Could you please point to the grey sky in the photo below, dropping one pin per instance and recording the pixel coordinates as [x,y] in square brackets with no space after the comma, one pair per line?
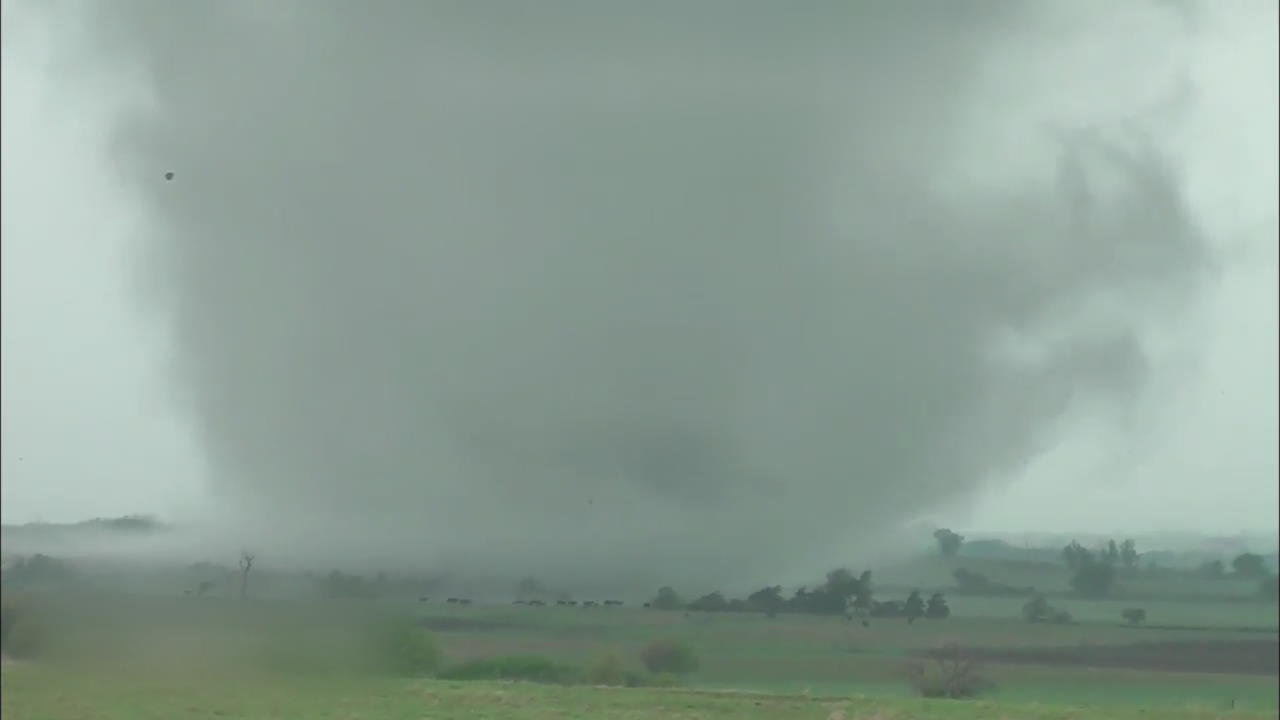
[1152,414]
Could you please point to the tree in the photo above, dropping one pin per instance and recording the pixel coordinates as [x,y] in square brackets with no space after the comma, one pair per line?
[862,596]
[1111,553]
[666,599]
[711,602]
[246,566]
[1073,554]
[937,607]
[1249,565]
[833,597]
[842,582]
[767,600]
[1093,578]
[1134,616]
[530,588]
[1129,555]
[914,606]
[948,542]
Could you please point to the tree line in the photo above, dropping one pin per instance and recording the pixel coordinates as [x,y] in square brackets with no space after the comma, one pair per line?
[843,593]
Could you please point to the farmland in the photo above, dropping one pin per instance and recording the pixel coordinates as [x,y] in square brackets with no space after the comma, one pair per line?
[117,656]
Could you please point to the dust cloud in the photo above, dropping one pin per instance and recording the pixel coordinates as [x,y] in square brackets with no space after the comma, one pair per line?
[636,293]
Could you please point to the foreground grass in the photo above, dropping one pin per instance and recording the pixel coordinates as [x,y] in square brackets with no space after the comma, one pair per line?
[33,692]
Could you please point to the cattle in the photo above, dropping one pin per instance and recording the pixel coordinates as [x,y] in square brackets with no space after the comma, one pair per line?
[518,602]
[613,603]
[464,601]
[588,603]
[537,603]
[648,604]
[424,599]
[571,603]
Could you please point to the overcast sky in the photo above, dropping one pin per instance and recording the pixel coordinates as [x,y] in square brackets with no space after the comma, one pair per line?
[91,420]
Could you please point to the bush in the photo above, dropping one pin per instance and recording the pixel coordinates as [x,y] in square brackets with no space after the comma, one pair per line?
[1269,588]
[1134,616]
[1093,578]
[608,670]
[951,674]
[22,631]
[405,649]
[668,656]
[531,668]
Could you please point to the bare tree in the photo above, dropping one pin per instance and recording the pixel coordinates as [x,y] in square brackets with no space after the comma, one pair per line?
[246,565]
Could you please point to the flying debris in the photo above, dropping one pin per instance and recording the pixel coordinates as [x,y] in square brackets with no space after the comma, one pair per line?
[168,176]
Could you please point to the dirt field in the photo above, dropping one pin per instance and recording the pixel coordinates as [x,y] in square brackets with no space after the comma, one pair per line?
[1243,657]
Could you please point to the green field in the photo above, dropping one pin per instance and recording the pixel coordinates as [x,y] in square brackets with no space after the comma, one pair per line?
[164,657]
[31,693]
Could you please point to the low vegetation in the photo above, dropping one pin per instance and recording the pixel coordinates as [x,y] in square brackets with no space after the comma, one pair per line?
[668,656]
[529,668]
[948,673]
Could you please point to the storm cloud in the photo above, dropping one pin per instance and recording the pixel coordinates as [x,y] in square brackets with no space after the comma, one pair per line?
[648,291]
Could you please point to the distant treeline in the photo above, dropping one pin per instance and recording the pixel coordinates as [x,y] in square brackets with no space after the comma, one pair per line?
[843,593]
[132,524]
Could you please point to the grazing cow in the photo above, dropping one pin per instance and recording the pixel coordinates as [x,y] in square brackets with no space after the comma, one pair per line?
[571,603]
[588,603]
[866,623]
[452,601]
[648,604]
[518,602]
[465,601]
[424,599]
[539,603]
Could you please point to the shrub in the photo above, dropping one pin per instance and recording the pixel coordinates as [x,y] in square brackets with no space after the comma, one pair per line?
[608,670]
[1037,609]
[951,674]
[531,668]
[668,656]
[405,649]
[22,631]
[1134,616]
[1269,588]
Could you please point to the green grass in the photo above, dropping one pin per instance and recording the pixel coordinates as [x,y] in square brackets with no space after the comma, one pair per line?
[115,657]
[44,693]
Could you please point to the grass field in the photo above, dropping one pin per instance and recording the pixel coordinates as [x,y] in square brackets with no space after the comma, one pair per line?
[32,693]
[164,657]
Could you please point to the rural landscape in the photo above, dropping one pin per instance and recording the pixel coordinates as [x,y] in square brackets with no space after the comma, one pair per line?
[640,359]
[980,629]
